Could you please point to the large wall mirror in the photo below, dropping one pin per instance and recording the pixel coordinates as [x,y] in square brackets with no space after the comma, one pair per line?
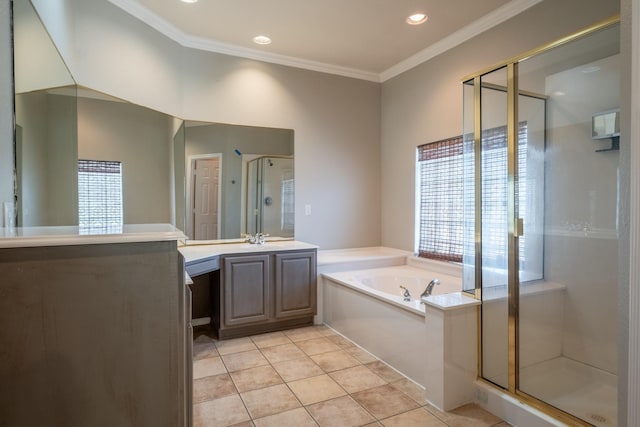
[212,180]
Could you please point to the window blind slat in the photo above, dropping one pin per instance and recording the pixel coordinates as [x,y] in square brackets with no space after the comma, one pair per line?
[441,195]
[100,195]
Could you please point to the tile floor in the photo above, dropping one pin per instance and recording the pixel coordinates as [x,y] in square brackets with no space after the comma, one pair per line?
[310,377]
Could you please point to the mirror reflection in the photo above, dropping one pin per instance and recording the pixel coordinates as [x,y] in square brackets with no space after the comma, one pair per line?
[86,158]
[230,191]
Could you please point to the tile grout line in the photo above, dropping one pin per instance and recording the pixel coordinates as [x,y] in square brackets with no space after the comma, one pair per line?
[422,404]
[284,382]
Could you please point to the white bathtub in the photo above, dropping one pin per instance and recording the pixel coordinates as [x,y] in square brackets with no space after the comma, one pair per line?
[367,307]
[385,284]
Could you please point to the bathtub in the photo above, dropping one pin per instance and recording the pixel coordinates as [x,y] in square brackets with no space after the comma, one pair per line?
[367,307]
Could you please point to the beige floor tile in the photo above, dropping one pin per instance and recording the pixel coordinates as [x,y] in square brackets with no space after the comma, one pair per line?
[317,346]
[470,415]
[335,360]
[298,417]
[281,353]
[271,339]
[270,400]
[255,378]
[384,401]
[207,367]
[244,360]
[297,369]
[384,371]
[220,412]
[243,424]
[340,341]
[356,379]
[204,347]
[236,345]
[340,412]
[411,389]
[416,418]
[376,424]
[213,387]
[302,334]
[361,355]
[316,389]
[324,331]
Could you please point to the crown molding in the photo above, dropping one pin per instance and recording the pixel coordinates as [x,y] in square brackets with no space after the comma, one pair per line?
[477,27]
[488,21]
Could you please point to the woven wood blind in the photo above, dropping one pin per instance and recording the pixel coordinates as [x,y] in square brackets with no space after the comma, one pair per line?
[100,195]
[441,200]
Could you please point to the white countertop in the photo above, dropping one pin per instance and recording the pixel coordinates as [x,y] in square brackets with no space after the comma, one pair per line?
[194,251]
[17,237]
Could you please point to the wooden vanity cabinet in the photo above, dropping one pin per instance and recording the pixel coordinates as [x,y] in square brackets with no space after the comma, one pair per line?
[265,292]
[246,289]
[295,284]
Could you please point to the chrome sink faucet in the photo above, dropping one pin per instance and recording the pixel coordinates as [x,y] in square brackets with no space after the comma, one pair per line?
[429,289]
[255,239]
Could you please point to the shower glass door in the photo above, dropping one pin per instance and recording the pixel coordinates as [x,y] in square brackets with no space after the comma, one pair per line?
[568,309]
[544,163]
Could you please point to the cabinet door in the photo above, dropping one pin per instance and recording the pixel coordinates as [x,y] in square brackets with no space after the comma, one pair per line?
[295,286]
[245,289]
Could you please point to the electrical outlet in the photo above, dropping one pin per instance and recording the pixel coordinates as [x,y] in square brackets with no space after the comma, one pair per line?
[307,210]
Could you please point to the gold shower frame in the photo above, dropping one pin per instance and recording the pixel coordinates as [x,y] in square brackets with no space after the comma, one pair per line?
[514,224]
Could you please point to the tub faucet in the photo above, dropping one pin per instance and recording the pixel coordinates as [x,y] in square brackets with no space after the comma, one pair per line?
[406,296]
[429,288]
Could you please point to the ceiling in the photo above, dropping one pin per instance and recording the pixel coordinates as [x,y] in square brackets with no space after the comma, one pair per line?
[366,39]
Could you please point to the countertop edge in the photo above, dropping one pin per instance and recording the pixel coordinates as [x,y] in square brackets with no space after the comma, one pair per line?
[71,236]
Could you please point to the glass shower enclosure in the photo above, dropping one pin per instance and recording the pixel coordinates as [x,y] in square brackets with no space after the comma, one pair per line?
[541,208]
[270,196]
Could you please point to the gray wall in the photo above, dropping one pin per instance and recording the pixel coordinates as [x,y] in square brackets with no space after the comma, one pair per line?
[46,154]
[6,108]
[141,139]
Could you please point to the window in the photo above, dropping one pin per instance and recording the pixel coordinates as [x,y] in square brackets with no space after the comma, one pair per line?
[441,200]
[100,196]
[441,195]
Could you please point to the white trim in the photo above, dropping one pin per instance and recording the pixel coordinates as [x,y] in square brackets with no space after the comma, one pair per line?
[633,375]
[509,10]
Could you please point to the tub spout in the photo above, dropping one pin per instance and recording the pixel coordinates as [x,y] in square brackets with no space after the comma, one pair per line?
[429,288]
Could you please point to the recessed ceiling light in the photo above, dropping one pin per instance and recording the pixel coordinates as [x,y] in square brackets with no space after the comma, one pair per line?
[189,1]
[417,19]
[261,40]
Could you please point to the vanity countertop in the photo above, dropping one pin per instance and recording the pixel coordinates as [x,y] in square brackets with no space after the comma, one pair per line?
[196,252]
[21,237]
